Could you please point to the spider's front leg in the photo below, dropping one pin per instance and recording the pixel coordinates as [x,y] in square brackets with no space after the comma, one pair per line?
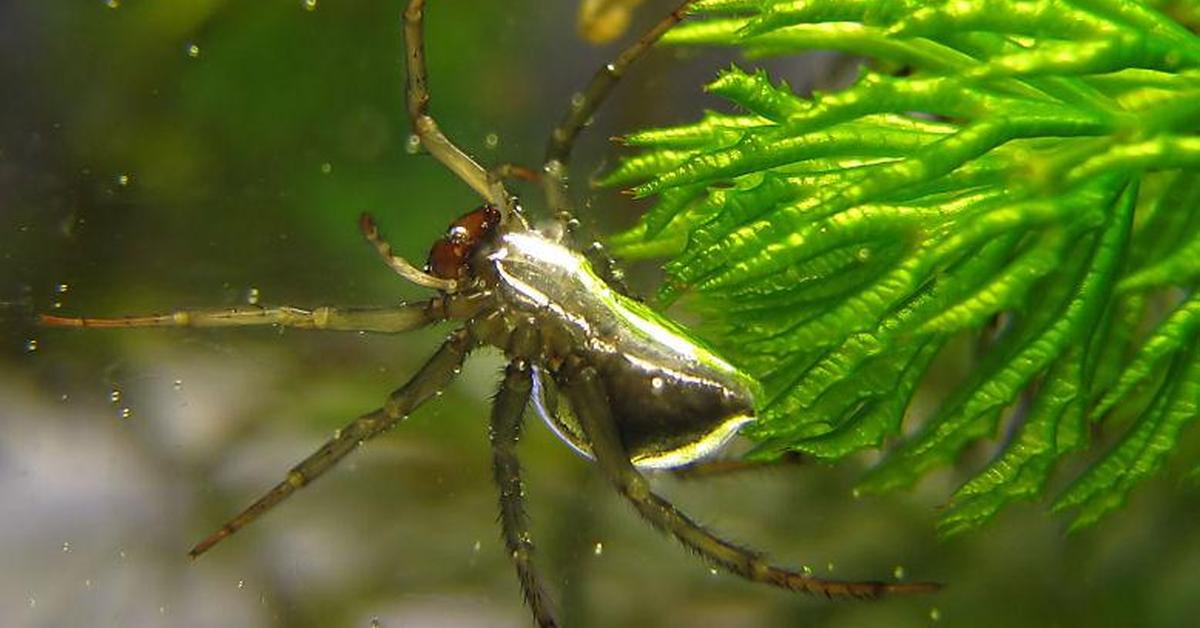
[432,377]
[387,320]
[426,128]
[562,141]
[590,403]
[507,418]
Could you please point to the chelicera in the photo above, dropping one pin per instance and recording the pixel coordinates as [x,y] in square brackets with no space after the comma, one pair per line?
[618,382]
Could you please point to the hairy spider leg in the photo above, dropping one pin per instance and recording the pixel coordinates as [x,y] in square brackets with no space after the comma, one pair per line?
[590,403]
[427,129]
[403,267]
[436,373]
[507,419]
[404,317]
[562,138]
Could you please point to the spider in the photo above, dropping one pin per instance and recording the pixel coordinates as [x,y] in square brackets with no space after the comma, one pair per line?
[621,384]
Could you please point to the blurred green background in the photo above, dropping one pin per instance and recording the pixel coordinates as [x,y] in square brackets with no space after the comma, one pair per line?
[156,156]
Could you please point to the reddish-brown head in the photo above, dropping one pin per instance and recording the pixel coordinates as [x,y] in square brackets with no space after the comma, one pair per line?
[451,254]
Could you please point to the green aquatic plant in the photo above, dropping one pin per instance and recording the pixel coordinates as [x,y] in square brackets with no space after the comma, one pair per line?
[1020,173]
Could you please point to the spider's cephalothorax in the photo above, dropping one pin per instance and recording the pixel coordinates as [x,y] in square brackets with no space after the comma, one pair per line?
[617,381]
[451,256]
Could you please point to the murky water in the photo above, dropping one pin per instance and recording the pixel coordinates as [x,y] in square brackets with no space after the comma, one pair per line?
[217,153]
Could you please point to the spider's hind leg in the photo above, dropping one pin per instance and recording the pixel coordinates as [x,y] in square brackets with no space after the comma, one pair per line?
[507,418]
[590,403]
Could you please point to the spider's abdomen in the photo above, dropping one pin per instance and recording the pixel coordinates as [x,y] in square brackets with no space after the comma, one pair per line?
[673,399]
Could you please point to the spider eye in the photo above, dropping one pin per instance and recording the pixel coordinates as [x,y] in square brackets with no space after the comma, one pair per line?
[451,254]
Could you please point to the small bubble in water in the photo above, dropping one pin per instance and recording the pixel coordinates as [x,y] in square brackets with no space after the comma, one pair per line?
[178,384]
[829,567]
[935,614]
[375,622]
[31,345]
[326,168]
[87,583]
[577,100]
[32,602]
[491,140]
[310,5]
[193,50]
[66,546]
[413,144]
[712,571]
[599,549]
[123,179]
[478,546]
[241,584]
[113,4]
[806,570]
[898,572]
[114,396]
[252,296]
[125,413]
[61,288]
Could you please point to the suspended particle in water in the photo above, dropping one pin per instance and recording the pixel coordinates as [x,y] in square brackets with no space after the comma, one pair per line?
[113,4]
[193,50]
[412,145]
[935,614]
[898,572]
[491,140]
[310,5]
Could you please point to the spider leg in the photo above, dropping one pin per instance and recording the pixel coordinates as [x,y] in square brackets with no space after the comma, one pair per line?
[432,377]
[403,267]
[404,317]
[426,128]
[507,413]
[562,140]
[590,402]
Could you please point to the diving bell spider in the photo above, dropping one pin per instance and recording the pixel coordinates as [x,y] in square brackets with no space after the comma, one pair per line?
[618,382]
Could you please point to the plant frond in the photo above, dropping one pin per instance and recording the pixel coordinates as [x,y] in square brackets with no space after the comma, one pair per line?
[1022,172]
